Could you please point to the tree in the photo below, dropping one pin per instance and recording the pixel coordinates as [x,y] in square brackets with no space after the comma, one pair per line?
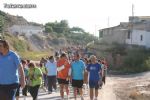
[58,27]
[77,30]
[64,25]
[48,29]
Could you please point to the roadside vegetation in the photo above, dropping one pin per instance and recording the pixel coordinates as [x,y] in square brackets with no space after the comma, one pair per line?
[34,55]
[134,58]
[74,35]
[23,48]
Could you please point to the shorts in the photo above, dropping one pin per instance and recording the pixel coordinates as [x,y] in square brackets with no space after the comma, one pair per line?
[94,84]
[77,83]
[62,81]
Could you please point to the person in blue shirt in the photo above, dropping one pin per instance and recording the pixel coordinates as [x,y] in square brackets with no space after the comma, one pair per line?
[51,67]
[10,69]
[94,69]
[77,74]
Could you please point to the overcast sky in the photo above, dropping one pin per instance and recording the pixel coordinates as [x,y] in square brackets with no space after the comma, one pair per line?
[91,15]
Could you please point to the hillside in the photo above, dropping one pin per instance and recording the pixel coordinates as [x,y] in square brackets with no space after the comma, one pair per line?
[25,36]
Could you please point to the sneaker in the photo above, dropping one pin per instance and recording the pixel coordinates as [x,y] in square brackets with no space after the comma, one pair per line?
[44,89]
[67,97]
[55,91]
[49,92]
[95,98]
[24,97]
[82,98]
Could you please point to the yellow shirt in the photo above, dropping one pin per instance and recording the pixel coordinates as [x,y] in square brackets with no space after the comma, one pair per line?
[35,76]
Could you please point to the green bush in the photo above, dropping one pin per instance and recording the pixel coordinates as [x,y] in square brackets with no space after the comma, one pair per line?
[137,60]
[20,45]
[147,64]
[33,55]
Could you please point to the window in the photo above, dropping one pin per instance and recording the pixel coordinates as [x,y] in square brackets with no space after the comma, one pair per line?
[129,34]
[100,34]
[141,37]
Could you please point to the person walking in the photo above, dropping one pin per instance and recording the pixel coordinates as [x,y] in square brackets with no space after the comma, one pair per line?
[94,70]
[77,75]
[51,67]
[10,69]
[34,79]
[105,67]
[44,78]
[63,67]
[25,89]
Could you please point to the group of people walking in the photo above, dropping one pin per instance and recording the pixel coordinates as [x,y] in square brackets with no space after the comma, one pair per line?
[63,68]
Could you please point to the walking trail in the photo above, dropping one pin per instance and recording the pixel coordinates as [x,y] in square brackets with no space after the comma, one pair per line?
[106,93]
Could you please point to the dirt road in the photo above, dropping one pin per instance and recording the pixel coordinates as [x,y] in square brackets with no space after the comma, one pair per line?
[117,87]
[106,93]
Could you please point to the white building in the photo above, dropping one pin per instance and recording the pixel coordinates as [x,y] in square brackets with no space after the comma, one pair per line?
[26,29]
[136,32]
[139,37]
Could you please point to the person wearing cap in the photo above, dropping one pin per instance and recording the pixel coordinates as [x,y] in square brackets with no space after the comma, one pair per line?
[10,69]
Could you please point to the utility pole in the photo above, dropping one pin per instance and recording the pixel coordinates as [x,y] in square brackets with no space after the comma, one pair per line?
[108,22]
[132,22]
[95,30]
[132,10]
[108,25]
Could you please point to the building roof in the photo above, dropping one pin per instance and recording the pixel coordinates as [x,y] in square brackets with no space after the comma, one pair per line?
[142,17]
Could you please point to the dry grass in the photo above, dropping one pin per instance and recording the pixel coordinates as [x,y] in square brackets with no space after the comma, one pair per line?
[34,55]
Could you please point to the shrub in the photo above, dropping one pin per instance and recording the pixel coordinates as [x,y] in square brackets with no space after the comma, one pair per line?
[146,64]
[137,60]
[20,45]
[33,55]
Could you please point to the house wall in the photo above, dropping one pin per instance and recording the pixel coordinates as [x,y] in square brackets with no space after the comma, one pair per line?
[115,34]
[136,38]
[140,26]
[27,30]
[147,39]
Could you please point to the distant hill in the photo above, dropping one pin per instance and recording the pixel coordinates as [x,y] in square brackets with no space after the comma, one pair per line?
[10,20]
[45,40]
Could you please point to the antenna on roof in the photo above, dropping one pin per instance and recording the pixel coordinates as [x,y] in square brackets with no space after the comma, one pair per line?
[108,22]
[132,10]
[132,22]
